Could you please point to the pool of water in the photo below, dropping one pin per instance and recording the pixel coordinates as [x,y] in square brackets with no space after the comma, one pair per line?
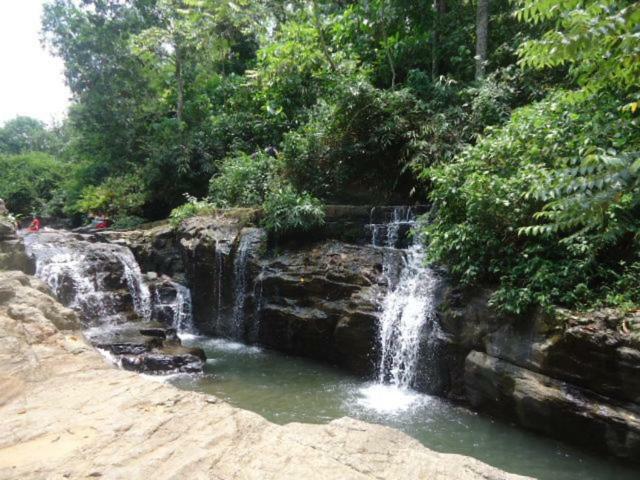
[287,389]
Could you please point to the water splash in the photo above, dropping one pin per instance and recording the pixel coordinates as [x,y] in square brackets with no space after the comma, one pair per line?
[89,276]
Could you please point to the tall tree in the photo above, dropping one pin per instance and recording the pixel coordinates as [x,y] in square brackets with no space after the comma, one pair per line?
[482,35]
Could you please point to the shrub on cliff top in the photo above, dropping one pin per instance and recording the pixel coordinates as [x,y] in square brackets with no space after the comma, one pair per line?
[287,211]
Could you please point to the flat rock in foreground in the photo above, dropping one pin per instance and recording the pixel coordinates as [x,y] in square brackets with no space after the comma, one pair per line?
[65,413]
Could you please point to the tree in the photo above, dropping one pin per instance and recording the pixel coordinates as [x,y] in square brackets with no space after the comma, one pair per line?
[482,37]
[25,134]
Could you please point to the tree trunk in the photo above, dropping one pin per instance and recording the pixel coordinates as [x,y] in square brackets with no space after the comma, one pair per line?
[179,84]
[439,9]
[482,33]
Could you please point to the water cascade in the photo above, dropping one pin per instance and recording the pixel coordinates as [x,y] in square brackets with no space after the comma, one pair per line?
[101,281]
[408,310]
[236,287]
[240,286]
[178,304]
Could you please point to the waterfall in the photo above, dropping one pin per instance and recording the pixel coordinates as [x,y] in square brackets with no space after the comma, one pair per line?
[104,283]
[240,285]
[92,278]
[179,306]
[236,319]
[408,307]
[219,270]
[406,310]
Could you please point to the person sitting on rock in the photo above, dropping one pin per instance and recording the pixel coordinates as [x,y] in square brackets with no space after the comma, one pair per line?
[35,225]
[102,221]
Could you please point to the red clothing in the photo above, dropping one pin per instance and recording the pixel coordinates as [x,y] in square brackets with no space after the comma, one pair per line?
[35,225]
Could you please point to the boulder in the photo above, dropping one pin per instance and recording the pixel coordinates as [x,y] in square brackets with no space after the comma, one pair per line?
[174,360]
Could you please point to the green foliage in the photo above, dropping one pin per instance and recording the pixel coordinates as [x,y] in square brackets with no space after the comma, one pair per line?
[243,180]
[564,161]
[192,208]
[25,134]
[288,211]
[30,181]
[597,38]
[116,196]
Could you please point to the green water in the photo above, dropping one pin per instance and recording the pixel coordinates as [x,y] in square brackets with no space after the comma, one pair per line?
[286,389]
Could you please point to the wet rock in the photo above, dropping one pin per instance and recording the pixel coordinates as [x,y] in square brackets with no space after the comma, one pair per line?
[148,348]
[553,407]
[322,300]
[99,279]
[154,332]
[156,248]
[178,359]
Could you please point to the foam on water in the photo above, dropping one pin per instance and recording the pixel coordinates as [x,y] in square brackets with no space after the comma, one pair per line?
[388,399]
[220,344]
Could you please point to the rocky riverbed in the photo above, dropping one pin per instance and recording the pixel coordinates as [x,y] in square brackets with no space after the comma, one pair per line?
[67,413]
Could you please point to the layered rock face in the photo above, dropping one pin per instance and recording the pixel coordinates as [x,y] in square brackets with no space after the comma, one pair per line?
[322,301]
[65,413]
[575,379]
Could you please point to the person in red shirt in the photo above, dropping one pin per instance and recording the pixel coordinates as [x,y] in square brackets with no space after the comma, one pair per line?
[102,221]
[35,225]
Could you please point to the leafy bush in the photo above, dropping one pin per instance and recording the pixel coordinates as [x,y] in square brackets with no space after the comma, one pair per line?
[243,180]
[30,181]
[287,211]
[191,208]
[116,196]
[546,207]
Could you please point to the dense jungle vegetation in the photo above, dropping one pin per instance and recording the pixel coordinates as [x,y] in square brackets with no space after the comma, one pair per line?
[517,120]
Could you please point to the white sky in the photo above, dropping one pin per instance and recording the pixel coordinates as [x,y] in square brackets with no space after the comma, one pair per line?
[31,79]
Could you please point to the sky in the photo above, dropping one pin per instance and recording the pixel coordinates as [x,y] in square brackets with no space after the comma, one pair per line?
[31,79]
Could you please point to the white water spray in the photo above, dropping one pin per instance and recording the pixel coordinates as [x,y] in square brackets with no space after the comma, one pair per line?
[408,307]
[83,273]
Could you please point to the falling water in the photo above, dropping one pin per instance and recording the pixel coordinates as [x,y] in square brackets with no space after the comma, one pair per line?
[88,276]
[103,282]
[409,305]
[180,307]
[405,311]
[240,285]
[219,270]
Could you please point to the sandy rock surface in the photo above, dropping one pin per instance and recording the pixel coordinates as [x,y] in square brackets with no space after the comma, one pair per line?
[65,413]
